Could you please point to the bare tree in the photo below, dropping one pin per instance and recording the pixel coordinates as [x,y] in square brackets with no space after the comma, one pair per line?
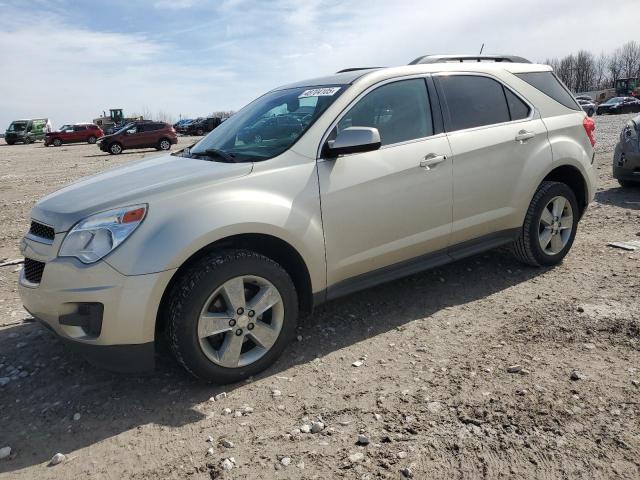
[601,79]
[630,59]
[615,64]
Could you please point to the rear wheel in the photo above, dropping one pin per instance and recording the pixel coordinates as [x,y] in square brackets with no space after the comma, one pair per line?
[200,132]
[92,139]
[549,227]
[28,140]
[231,315]
[115,149]
[164,144]
[57,142]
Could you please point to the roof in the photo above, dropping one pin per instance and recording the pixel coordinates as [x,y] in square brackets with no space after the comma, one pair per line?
[350,76]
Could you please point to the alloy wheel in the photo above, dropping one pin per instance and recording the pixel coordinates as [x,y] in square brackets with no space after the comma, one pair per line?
[165,145]
[240,321]
[556,225]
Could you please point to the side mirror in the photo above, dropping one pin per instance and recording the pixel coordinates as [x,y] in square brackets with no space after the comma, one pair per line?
[353,140]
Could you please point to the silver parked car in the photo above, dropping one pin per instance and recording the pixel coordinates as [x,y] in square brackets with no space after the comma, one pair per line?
[393,170]
[587,105]
[626,157]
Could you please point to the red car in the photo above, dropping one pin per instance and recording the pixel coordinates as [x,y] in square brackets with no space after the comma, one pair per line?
[80,132]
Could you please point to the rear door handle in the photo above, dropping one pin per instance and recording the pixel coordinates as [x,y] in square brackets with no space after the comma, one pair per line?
[432,160]
[524,135]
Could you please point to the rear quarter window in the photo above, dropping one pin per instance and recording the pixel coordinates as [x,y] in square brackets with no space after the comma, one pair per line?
[549,84]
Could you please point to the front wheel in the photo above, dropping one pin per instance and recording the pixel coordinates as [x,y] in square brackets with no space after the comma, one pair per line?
[28,140]
[231,315]
[115,149]
[57,142]
[549,227]
[628,183]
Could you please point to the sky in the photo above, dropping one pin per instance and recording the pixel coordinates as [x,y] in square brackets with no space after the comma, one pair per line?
[70,60]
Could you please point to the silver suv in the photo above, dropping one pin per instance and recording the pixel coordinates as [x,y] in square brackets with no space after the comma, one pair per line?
[312,191]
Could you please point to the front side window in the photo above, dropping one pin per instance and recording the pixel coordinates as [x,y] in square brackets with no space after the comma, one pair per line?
[268,126]
[474,101]
[17,127]
[399,110]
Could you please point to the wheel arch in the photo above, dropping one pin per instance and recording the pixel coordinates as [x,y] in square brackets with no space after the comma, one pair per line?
[270,246]
[574,179]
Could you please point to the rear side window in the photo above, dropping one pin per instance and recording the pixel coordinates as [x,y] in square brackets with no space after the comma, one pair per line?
[548,84]
[517,108]
[474,101]
[80,128]
[399,110]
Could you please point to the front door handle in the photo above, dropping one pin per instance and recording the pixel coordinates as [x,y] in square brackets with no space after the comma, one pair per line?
[432,160]
[524,135]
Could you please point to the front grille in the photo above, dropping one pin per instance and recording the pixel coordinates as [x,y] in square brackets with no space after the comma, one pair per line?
[43,231]
[33,270]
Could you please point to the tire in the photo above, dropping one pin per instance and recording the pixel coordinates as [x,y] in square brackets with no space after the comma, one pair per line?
[10,142]
[527,248]
[200,132]
[28,140]
[115,148]
[92,139]
[196,292]
[56,142]
[628,183]
[164,144]
[590,112]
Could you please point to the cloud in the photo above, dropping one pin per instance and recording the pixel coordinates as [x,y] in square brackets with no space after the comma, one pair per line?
[194,57]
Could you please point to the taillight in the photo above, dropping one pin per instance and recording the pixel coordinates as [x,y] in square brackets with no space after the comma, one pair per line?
[590,127]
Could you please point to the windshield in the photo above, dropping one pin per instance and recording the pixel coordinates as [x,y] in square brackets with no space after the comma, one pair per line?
[17,127]
[125,127]
[269,125]
[613,100]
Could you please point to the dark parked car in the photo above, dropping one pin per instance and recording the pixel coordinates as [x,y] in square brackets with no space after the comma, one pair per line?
[587,105]
[626,158]
[202,126]
[278,127]
[80,132]
[25,131]
[144,134]
[619,105]
[182,123]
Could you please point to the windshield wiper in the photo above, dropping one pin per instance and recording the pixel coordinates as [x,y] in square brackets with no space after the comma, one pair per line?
[214,152]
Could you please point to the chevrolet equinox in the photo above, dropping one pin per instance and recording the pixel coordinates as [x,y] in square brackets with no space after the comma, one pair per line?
[379,173]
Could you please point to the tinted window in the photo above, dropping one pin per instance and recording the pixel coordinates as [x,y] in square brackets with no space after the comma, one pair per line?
[517,108]
[474,101]
[80,128]
[400,111]
[548,84]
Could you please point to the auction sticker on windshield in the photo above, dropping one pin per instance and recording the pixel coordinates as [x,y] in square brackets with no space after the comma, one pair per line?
[319,92]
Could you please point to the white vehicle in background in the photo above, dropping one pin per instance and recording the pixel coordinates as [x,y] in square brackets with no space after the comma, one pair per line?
[363,177]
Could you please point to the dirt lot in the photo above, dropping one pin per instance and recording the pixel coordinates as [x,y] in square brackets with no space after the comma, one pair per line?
[433,395]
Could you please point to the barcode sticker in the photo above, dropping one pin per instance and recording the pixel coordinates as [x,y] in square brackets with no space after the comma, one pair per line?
[319,92]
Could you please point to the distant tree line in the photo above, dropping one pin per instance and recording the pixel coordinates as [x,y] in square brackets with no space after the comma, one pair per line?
[583,71]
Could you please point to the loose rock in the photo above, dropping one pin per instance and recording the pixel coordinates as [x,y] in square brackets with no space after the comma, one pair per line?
[363,440]
[56,459]
[227,464]
[5,452]
[356,457]
[317,427]
[286,461]
[576,375]
[514,369]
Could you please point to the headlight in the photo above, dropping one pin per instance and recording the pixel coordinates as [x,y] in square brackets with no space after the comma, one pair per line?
[96,236]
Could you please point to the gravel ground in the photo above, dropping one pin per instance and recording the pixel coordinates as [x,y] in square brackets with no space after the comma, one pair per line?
[483,368]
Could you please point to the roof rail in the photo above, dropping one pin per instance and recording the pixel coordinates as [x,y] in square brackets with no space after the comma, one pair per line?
[468,58]
[355,69]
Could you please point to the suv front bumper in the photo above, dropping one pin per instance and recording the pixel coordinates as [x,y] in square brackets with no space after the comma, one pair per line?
[626,163]
[108,317]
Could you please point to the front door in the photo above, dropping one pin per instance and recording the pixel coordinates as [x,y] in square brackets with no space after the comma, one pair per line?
[386,207]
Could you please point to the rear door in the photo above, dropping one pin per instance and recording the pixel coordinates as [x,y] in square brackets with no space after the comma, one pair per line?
[498,143]
[79,133]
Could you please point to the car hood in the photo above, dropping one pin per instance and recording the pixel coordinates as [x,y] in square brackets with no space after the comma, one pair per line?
[128,185]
